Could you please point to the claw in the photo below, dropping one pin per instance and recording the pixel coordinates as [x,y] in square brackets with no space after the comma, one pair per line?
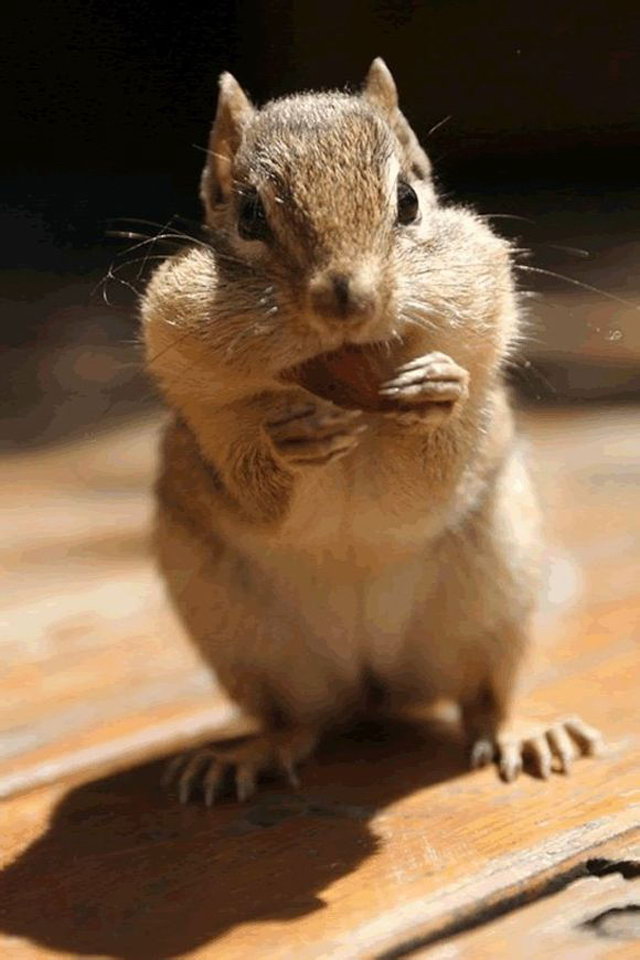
[171,769]
[482,754]
[245,781]
[289,769]
[189,776]
[212,782]
[542,757]
[588,738]
[562,747]
[510,762]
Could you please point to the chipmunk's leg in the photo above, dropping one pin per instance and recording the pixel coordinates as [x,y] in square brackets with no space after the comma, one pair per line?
[256,448]
[254,653]
[244,759]
[495,733]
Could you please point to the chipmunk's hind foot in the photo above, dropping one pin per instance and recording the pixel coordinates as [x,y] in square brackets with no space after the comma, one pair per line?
[541,748]
[209,770]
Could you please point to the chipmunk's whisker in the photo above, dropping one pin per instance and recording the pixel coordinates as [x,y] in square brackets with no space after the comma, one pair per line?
[437,125]
[578,283]
[415,321]
[249,333]
[532,372]
[113,273]
[166,231]
[444,309]
[170,346]
[506,216]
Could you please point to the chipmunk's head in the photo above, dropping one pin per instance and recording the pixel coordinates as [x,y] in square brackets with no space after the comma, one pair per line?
[327,240]
[318,194]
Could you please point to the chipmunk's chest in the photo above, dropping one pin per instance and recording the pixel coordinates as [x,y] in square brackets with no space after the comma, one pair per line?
[350,572]
[358,518]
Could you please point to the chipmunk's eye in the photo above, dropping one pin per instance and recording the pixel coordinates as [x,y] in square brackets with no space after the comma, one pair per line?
[408,207]
[252,219]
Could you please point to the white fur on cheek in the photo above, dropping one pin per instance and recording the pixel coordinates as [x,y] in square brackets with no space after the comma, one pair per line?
[393,169]
[425,227]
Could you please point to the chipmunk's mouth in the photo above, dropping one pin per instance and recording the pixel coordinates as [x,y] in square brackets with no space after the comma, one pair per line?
[349,352]
[349,375]
[363,341]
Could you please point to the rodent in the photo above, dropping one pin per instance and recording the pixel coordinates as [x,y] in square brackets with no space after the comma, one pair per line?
[344,513]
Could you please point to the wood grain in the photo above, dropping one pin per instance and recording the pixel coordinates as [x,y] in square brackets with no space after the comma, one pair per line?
[390,844]
[589,911]
[96,670]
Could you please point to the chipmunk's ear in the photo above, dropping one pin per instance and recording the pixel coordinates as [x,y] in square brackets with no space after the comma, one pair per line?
[380,87]
[232,116]
[380,90]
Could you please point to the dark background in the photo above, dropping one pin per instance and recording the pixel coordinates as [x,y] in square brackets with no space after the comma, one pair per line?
[110,102]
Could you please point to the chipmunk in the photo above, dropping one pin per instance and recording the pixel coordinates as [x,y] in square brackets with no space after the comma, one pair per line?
[344,515]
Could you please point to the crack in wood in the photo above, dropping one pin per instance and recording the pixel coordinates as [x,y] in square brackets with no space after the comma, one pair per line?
[482,915]
[601,867]
[616,923]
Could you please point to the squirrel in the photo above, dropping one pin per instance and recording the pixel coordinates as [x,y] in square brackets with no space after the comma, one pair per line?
[345,518]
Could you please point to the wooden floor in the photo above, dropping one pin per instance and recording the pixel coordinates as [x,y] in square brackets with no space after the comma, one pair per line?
[391,848]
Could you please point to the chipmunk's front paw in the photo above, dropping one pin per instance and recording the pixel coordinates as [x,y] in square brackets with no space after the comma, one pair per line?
[542,747]
[314,434]
[208,770]
[426,389]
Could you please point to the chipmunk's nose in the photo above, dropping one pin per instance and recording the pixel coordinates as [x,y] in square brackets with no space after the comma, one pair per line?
[346,296]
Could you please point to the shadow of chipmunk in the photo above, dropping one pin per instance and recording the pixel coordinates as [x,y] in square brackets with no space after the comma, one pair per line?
[124,871]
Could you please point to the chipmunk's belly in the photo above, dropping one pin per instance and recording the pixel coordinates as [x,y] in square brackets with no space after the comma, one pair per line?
[347,583]
[352,618]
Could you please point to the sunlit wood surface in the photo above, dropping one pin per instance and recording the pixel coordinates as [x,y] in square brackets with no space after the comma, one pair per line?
[391,848]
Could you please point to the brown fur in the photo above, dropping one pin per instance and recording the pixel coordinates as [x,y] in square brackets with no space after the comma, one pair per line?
[411,559]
